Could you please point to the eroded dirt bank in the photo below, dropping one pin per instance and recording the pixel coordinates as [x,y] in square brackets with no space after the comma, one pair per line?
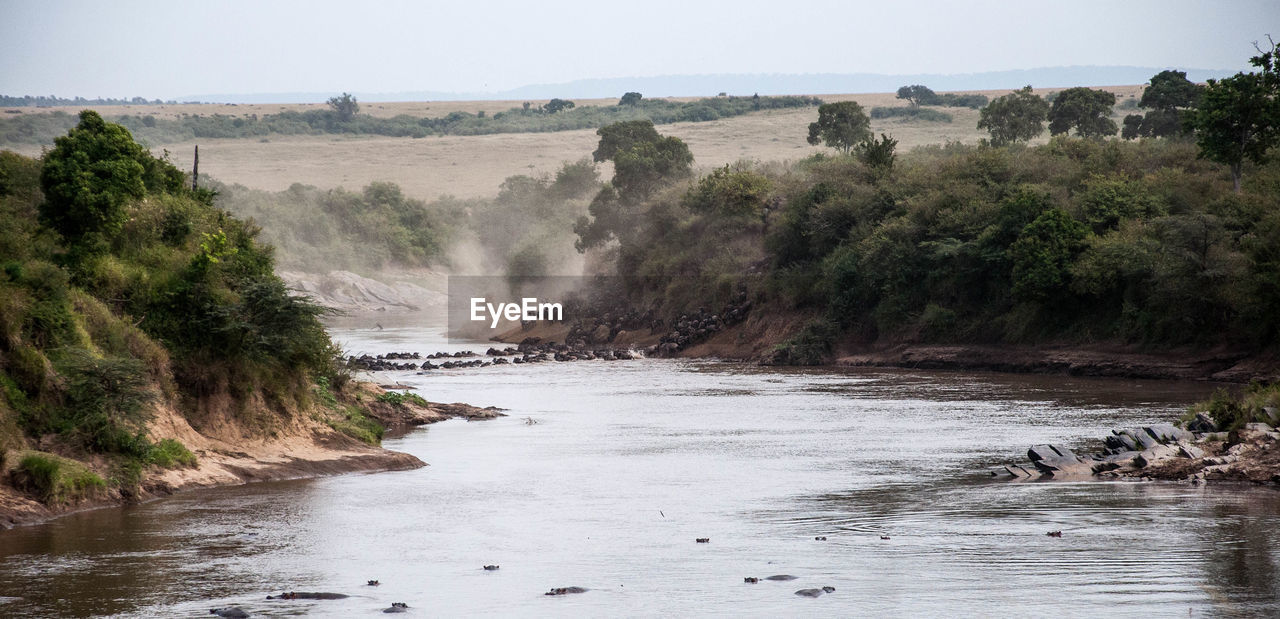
[226,455]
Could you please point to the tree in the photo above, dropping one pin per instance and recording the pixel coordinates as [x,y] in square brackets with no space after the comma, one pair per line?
[555,105]
[643,160]
[840,125]
[1018,116]
[89,177]
[1170,90]
[346,106]
[641,169]
[1043,253]
[878,153]
[1084,109]
[918,95]
[1239,116]
[622,136]
[1167,99]
[630,98]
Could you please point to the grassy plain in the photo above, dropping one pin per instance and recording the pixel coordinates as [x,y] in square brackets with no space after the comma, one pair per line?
[474,166]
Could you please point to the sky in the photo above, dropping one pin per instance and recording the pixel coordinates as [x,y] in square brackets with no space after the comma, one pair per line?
[178,48]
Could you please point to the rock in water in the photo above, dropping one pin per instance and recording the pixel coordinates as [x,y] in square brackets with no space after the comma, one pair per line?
[1166,432]
[1056,460]
[1203,424]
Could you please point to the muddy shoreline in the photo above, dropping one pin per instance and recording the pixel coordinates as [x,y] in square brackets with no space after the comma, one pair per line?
[1218,366]
[754,339]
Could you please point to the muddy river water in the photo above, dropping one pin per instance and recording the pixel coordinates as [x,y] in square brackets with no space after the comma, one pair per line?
[627,463]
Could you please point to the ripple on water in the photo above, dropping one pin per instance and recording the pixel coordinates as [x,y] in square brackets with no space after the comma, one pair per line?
[633,461]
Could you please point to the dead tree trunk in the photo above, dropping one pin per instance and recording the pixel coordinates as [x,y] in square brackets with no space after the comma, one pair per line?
[195,170]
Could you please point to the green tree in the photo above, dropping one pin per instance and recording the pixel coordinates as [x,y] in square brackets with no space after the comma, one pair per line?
[1043,253]
[1239,116]
[1167,99]
[89,177]
[918,95]
[621,136]
[641,157]
[641,169]
[1018,116]
[346,106]
[556,105]
[1170,90]
[643,161]
[840,125]
[878,153]
[1084,109]
[630,98]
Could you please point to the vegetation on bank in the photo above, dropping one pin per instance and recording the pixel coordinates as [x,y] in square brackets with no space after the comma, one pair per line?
[1081,240]
[342,118]
[375,228]
[54,479]
[1257,403]
[124,292]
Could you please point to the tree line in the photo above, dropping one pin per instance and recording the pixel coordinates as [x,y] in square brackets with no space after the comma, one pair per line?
[342,116]
[52,101]
[1151,242]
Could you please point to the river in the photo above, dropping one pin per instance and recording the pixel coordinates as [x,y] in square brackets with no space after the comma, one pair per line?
[628,462]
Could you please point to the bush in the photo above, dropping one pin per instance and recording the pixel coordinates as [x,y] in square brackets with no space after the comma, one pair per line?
[56,480]
[359,426]
[170,454]
[399,398]
[1259,402]
[104,403]
[811,346]
[911,113]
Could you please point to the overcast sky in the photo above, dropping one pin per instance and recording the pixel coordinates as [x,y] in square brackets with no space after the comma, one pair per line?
[169,49]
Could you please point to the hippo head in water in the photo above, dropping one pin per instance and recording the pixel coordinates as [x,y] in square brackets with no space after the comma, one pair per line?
[229,613]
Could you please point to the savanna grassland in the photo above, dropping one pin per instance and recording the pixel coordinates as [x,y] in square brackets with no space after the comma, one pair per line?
[473,166]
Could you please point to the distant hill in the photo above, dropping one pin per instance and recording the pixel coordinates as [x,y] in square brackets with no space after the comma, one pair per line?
[747,84]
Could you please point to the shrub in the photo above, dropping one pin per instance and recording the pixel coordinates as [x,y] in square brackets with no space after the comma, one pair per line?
[1259,402]
[810,346]
[357,425]
[399,398]
[56,480]
[170,454]
[104,403]
[911,113]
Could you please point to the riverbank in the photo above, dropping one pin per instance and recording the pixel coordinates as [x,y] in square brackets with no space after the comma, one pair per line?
[756,337]
[226,457]
[1220,366]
